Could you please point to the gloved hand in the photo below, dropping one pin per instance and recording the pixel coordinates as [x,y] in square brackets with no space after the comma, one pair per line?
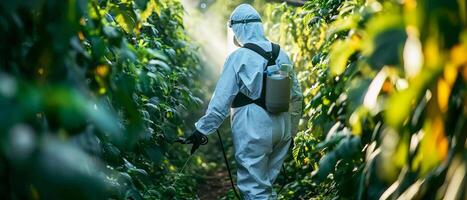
[197,139]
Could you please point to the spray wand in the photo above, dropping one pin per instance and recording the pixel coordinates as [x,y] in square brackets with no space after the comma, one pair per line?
[183,141]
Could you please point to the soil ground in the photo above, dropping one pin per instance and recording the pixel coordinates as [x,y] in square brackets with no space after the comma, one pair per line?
[216,185]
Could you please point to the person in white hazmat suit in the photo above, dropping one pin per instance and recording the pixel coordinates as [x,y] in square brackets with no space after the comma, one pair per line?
[261,140]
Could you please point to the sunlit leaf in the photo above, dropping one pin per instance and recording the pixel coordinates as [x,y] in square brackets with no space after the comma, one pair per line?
[151,7]
[371,96]
[340,53]
[413,55]
[433,146]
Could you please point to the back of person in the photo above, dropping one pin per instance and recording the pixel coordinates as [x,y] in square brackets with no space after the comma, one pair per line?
[261,139]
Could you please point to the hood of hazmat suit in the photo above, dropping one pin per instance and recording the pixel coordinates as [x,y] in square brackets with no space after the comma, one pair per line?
[261,139]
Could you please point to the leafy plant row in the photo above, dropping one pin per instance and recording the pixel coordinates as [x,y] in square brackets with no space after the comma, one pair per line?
[385,98]
[91,95]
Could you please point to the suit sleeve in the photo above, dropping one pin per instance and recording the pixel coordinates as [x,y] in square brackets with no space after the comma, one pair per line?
[219,106]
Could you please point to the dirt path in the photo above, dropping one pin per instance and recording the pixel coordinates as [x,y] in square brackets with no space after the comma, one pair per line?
[215,186]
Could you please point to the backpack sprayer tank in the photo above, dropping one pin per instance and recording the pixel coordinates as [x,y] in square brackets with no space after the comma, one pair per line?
[278,89]
[275,92]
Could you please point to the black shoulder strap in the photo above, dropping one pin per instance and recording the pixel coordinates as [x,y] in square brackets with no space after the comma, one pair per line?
[275,51]
[241,99]
[258,50]
[271,57]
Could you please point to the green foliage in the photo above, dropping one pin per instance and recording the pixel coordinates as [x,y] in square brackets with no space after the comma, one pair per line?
[384,85]
[93,91]
[91,94]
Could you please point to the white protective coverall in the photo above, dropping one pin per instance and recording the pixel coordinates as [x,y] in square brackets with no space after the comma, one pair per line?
[261,139]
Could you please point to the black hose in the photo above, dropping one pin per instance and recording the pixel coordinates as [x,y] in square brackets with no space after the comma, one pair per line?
[228,166]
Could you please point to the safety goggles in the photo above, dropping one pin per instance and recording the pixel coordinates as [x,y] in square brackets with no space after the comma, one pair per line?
[245,21]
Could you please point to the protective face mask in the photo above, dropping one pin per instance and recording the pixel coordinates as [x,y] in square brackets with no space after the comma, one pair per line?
[236,42]
[231,46]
